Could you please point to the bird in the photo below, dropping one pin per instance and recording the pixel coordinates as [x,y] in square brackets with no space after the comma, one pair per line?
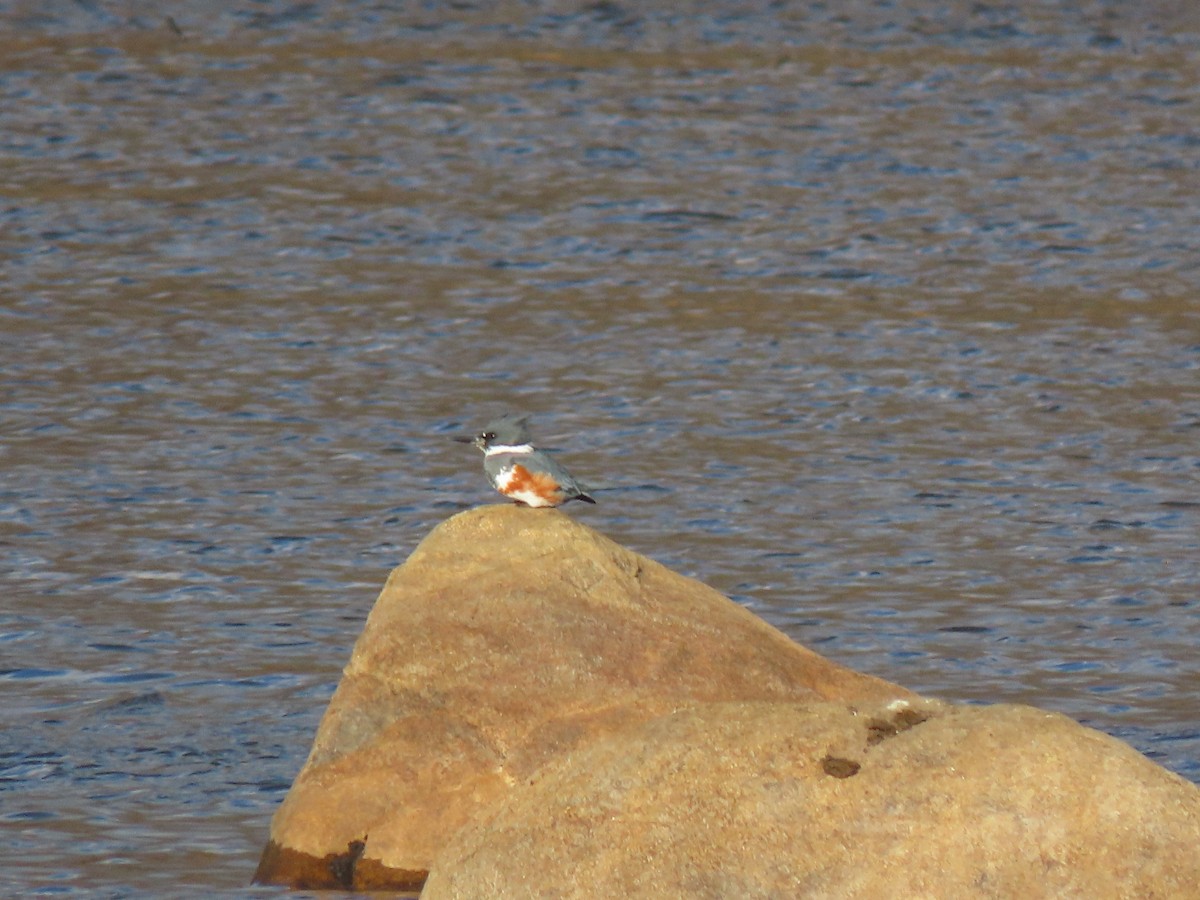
[520,471]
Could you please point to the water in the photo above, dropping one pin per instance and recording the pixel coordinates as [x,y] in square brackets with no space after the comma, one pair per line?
[881,321]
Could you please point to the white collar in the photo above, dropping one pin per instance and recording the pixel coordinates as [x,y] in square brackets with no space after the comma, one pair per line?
[508,448]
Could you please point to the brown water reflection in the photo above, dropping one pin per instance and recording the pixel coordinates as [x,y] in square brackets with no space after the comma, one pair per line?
[881,321]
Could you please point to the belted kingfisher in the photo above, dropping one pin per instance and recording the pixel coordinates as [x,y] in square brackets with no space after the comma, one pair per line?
[519,470]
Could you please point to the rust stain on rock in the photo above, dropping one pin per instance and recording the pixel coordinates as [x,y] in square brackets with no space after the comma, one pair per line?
[839,767]
[880,729]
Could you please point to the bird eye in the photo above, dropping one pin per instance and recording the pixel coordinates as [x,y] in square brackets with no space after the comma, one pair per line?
[489,435]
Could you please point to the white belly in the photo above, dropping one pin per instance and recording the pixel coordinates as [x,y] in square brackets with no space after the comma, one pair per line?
[529,498]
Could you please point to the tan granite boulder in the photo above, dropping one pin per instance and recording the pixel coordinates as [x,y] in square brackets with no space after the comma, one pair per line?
[509,638]
[817,799]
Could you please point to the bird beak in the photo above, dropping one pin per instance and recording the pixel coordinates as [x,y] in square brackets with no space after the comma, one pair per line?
[465,439]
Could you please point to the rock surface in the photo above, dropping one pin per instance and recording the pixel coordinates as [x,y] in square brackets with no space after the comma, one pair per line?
[819,800]
[508,639]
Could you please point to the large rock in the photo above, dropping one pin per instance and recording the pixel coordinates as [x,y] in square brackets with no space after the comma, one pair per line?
[822,800]
[510,638]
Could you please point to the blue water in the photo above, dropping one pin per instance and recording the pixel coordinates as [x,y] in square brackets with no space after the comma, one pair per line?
[880,321]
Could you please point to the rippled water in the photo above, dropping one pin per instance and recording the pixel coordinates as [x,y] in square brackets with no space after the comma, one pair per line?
[882,321]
